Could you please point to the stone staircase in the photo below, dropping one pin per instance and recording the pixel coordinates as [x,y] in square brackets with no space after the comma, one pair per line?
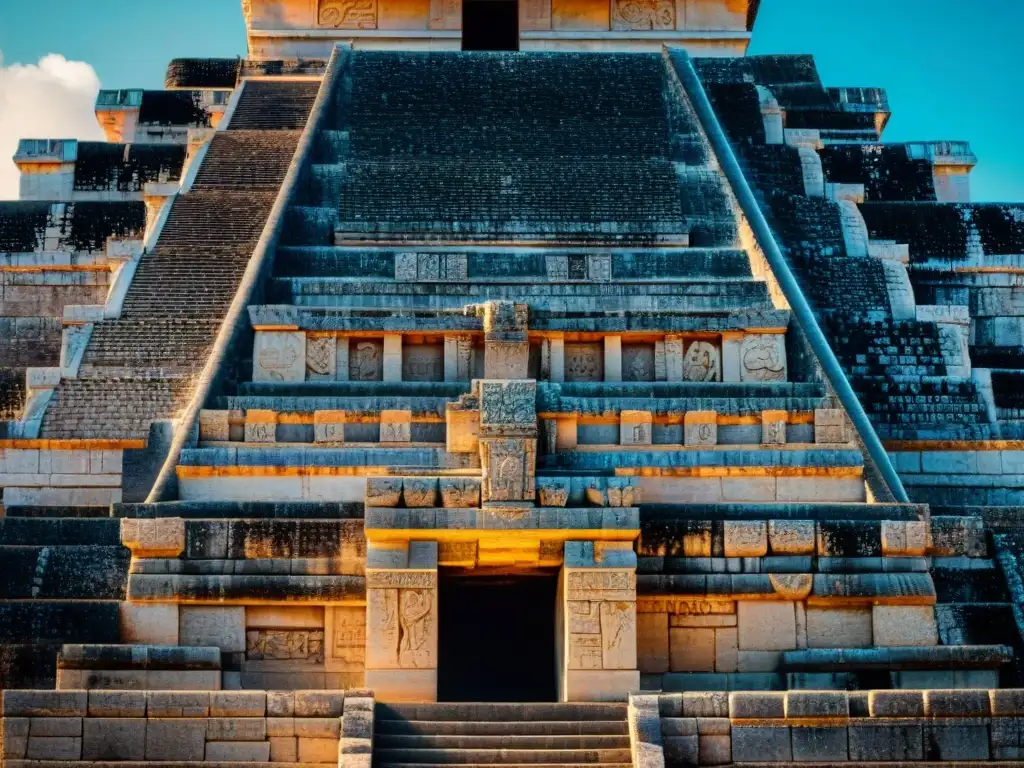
[501,734]
[267,105]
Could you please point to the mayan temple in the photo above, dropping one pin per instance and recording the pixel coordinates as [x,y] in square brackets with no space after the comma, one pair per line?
[508,383]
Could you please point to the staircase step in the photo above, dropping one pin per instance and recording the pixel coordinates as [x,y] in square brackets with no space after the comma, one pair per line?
[474,711]
[513,741]
[517,728]
[502,756]
[494,765]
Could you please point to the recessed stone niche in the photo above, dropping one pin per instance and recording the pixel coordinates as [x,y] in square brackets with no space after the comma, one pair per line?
[584,362]
[366,360]
[423,362]
[638,362]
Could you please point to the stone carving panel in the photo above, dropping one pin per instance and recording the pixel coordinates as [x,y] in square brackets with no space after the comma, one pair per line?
[584,651]
[638,362]
[507,405]
[643,14]
[417,628]
[618,634]
[382,628]
[279,356]
[508,469]
[506,359]
[346,638]
[763,357]
[584,362]
[423,362]
[348,14]
[702,362]
[395,426]
[321,358]
[285,645]
[366,361]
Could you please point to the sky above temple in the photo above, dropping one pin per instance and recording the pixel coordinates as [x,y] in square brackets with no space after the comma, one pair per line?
[953,70]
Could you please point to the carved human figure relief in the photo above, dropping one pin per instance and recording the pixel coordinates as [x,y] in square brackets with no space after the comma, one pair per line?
[643,14]
[348,14]
[320,357]
[702,362]
[618,634]
[415,624]
[638,362]
[763,357]
[382,628]
[366,361]
[285,645]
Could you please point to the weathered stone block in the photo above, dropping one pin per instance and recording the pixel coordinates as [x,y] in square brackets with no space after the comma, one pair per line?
[165,704]
[885,743]
[114,738]
[148,624]
[700,428]
[14,737]
[236,729]
[214,426]
[44,703]
[219,626]
[279,356]
[770,744]
[395,426]
[418,492]
[692,650]
[318,703]
[54,748]
[260,426]
[238,751]
[773,427]
[791,537]
[896,703]
[329,426]
[766,625]
[715,749]
[284,749]
[757,705]
[820,743]
[705,704]
[830,426]
[117,703]
[460,492]
[56,726]
[745,538]
[726,649]
[635,428]
[162,537]
[238,704]
[839,627]
[957,703]
[318,750]
[383,491]
[899,625]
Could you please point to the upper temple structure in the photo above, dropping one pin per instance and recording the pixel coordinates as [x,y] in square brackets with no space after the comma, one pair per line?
[508,382]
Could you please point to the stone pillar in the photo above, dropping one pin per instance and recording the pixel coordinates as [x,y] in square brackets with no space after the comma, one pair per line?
[392,357]
[508,441]
[341,363]
[613,358]
[674,358]
[598,627]
[458,357]
[558,359]
[731,343]
[506,347]
[401,620]
[565,439]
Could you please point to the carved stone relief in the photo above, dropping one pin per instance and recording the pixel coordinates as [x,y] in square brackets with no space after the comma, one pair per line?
[507,405]
[618,634]
[346,641]
[348,14]
[506,359]
[584,362]
[395,426]
[423,362]
[638,362]
[285,645]
[279,356]
[366,361]
[643,14]
[382,630]
[584,651]
[702,362]
[508,469]
[763,357]
[321,358]
[416,627]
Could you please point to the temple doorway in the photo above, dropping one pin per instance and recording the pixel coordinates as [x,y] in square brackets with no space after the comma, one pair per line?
[496,636]
[490,25]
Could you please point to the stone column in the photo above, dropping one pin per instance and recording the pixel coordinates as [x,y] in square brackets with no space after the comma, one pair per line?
[731,356]
[506,346]
[598,626]
[613,358]
[508,441]
[458,357]
[392,357]
[401,620]
[557,359]
[674,358]
[341,363]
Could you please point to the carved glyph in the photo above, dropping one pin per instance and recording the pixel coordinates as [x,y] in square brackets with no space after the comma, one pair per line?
[507,405]
[643,14]
[584,362]
[321,357]
[348,14]
[382,628]
[702,362]
[508,468]
[618,634]
[638,362]
[763,357]
[279,356]
[285,645]
[366,361]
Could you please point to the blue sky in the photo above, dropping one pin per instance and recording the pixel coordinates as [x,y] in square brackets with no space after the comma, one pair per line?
[953,70]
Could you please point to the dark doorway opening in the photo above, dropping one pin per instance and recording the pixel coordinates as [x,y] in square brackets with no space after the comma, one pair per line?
[490,25]
[496,637]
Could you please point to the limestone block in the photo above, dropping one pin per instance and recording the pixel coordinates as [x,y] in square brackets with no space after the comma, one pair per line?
[400,685]
[600,684]
[791,586]
[392,357]
[700,428]
[238,751]
[222,627]
[238,704]
[55,726]
[383,491]
[346,638]
[904,537]
[319,704]
[366,360]
[54,748]
[822,743]
[880,742]
[839,627]
[214,425]
[773,427]
[279,356]
[673,358]
[177,704]
[567,434]
[901,625]
[506,359]
[726,649]
[766,625]
[618,634]
[260,426]
[148,623]
[830,426]
[329,426]
[462,430]
[761,744]
[715,749]
[692,650]
[758,661]
[160,537]
[321,357]
[395,426]
[552,491]
[14,737]
[896,703]
[117,703]
[284,749]
[791,537]
[745,538]
[114,738]
[178,739]
[459,492]
[613,358]
[652,643]
[763,357]
[509,466]
[236,729]
[951,536]
[635,428]
[418,492]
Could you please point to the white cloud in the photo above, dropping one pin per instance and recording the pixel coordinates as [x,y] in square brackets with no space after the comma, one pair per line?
[53,99]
